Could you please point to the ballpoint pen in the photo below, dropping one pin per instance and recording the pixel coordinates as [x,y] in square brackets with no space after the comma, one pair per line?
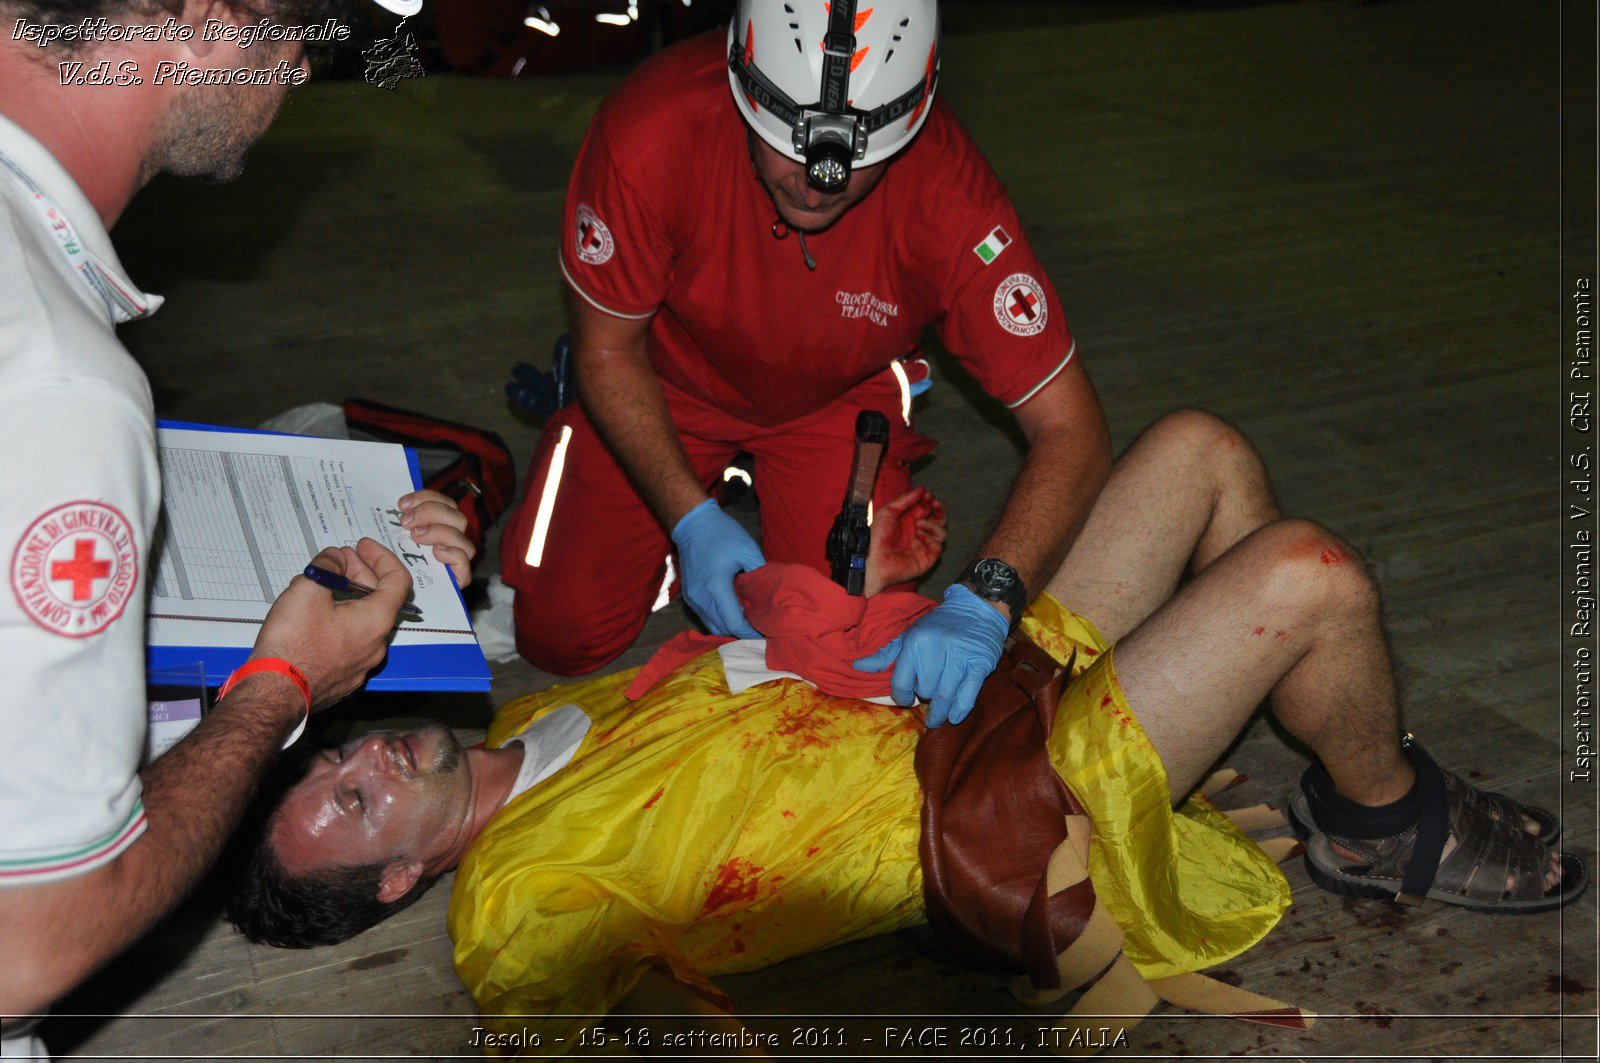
[340,585]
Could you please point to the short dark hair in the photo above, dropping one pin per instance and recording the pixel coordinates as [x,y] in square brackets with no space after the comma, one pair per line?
[68,12]
[271,907]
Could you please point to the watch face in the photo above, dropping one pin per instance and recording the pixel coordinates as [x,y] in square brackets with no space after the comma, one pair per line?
[993,574]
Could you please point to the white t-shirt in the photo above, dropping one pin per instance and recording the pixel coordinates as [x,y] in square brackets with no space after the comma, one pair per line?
[548,743]
[80,490]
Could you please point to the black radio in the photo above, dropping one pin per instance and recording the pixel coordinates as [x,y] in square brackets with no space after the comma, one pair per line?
[851,534]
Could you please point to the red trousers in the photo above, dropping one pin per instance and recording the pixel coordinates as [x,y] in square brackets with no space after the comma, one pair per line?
[587,558]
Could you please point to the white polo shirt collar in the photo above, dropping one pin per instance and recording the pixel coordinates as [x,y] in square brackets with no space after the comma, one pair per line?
[83,244]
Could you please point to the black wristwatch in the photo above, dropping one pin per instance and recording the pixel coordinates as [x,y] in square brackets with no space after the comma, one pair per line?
[995,581]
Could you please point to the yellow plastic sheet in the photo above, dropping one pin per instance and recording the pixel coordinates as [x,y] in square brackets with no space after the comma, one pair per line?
[713,833]
[1189,888]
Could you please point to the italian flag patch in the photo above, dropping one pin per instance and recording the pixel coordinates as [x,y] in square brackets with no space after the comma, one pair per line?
[996,242]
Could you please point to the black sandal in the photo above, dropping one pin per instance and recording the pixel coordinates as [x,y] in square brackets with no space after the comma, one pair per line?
[1399,845]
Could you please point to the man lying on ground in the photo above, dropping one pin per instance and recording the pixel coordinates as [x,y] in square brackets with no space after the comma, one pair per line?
[618,851]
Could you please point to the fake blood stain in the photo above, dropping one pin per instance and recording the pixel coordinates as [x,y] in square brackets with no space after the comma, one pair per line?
[737,880]
[1380,1016]
[803,723]
[1559,984]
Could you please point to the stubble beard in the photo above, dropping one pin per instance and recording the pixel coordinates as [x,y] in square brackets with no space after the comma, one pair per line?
[211,129]
[448,758]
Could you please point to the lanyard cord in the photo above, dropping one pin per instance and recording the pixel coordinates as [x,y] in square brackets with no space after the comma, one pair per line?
[780,230]
[121,306]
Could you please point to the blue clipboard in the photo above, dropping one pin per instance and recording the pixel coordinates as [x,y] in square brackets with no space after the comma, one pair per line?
[410,668]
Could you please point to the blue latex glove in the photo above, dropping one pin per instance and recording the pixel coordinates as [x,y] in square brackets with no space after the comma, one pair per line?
[540,392]
[945,656]
[712,549]
[533,389]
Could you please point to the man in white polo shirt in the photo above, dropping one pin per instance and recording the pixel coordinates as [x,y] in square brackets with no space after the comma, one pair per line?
[91,854]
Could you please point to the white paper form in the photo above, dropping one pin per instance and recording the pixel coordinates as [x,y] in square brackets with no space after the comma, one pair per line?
[243,513]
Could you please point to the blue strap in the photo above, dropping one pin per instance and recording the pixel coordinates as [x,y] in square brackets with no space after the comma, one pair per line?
[1338,815]
[1432,829]
[1426,806]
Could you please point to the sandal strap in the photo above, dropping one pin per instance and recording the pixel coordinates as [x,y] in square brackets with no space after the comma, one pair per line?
[1406,839]
[1528,872]
[1337,814]
[1477,867]
[1499,805]
[1487,855]
[1433,825]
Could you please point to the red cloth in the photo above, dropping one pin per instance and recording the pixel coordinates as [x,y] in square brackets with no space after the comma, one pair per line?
[665,216]
[814,629]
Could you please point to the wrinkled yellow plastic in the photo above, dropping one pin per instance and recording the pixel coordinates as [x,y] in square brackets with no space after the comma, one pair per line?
[1188,888]
[713,833]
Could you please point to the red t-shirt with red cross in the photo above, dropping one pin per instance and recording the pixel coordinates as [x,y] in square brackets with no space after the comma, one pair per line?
[666,219]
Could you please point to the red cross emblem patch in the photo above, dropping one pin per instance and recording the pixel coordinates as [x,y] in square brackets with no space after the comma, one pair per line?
[594,243]
[1019,305]
[75,568]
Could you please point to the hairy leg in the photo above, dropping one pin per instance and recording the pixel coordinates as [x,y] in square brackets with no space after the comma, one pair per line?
[1188,489]
[1289,616]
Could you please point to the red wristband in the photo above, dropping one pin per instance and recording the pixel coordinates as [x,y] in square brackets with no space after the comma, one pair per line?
[283,668]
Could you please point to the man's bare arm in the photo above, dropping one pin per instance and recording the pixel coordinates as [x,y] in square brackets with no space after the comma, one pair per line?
[57,933]
[945,656]
[1068,460]
[623,399]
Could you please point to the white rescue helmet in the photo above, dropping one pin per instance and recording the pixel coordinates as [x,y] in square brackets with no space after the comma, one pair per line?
[834,85]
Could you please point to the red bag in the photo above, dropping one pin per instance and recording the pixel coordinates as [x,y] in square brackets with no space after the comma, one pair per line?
[469,465]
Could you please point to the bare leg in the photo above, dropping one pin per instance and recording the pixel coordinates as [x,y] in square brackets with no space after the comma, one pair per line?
[1191,495]
[1289,616]
[1278,611]
[1185,492]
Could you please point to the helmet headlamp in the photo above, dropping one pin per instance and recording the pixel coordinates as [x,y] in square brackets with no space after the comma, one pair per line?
[830,136]
[830,144]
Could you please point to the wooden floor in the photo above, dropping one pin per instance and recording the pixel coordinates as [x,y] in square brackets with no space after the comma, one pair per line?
[1334,223]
